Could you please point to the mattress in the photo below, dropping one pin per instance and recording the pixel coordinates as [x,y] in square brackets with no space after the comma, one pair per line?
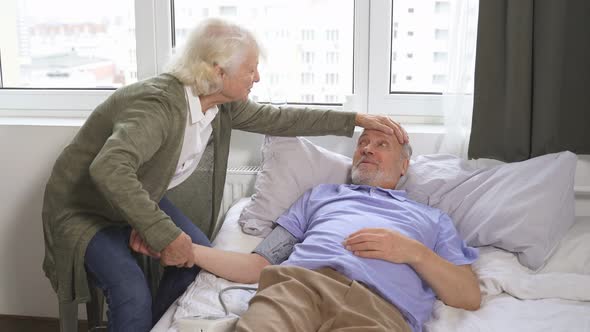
[514,298]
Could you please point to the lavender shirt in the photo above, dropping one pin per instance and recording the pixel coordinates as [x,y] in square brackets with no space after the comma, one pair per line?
[323,217]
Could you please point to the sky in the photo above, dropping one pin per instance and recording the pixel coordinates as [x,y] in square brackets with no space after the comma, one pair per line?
[85,10]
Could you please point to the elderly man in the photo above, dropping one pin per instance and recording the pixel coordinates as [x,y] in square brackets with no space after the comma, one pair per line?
[354,257]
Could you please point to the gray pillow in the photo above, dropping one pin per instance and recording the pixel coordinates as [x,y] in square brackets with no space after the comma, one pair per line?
[290,167]
[524,207]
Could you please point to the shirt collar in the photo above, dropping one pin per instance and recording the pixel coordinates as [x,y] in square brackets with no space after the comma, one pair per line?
[399,195]
[195,108]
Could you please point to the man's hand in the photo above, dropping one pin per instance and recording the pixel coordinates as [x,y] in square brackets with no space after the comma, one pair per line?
[179,252]
[138,245]
[382,123]
[385,244]
[455,285]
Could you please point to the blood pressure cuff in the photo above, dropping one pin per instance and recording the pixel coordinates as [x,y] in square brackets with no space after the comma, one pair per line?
[277,246]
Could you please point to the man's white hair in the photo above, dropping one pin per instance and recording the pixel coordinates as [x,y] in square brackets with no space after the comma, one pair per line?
[212,42]
[406,151]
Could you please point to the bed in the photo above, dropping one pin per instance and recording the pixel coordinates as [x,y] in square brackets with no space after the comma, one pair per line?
[525,286]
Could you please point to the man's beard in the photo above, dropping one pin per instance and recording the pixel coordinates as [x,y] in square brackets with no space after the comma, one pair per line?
[365,177]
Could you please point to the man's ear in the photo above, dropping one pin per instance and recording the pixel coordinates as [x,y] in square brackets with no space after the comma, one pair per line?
[405,166]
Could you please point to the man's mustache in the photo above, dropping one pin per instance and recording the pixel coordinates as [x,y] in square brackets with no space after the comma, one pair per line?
[365,160]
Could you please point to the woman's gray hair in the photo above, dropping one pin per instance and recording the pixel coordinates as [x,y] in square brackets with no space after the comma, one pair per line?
[212,42]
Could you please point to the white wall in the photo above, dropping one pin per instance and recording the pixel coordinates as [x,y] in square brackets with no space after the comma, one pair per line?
[28,153]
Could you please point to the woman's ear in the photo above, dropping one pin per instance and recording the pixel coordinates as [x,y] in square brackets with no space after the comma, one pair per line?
[218,70]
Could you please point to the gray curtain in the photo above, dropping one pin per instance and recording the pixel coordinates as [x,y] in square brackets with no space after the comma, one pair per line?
[532,79]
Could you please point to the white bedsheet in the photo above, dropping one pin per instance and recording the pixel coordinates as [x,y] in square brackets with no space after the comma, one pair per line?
[201,297]
[501,313]
[557,298]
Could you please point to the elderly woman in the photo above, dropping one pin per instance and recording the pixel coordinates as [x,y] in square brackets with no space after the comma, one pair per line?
[107,187]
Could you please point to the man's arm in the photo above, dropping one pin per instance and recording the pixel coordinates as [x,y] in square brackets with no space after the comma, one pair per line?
[455,285]
[233,266]
[246,268]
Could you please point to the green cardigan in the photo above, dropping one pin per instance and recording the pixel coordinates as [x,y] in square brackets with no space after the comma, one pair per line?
[120,163]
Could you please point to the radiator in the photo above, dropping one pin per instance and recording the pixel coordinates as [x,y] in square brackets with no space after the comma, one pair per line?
[239,183]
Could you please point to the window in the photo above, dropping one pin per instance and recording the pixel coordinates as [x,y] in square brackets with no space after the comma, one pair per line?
[331,99]
[440,57]
[332,78]
[307,34]
[307,98]
[442,7]
[67,44]
[332,35]
[228,11]
[439,79]
[332,58]
[441,34]
[307,78]
[409,72]
[295,37]
[274,78]
[307,57]
[313,49]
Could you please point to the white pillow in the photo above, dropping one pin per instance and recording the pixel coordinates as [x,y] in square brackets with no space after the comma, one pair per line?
[524,207]
[290,167]
[572,255]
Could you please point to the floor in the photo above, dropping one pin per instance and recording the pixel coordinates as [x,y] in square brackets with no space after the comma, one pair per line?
[34,324]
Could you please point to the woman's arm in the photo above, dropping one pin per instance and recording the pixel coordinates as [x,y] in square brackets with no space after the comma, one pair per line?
[289,121]
[299,121]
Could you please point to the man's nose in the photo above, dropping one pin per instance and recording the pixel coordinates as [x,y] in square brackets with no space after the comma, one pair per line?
[368,149]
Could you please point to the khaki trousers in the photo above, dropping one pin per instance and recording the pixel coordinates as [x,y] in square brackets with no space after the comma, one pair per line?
[291,298]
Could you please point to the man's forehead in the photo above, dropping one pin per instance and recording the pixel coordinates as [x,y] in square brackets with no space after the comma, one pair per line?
[377,133]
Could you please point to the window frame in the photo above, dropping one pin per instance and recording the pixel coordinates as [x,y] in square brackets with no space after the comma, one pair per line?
[153,29]
[154,41]
[380,100]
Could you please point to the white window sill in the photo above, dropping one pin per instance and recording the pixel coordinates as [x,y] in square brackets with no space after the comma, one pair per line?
[75,120]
